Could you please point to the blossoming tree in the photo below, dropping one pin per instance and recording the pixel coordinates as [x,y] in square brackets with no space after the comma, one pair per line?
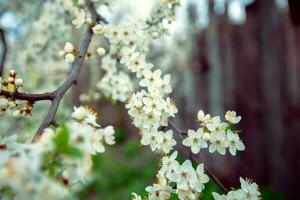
[57,161]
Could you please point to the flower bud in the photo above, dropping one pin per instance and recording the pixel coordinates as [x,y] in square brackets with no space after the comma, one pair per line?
[101,51]
[12,73]
[88,20]
[68,47]
[19,82]
[61,53]
[206,136]
[98,29]
[3,103]
[11,80]
[69,58]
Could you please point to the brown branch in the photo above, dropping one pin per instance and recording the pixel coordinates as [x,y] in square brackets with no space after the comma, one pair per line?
[96,17]
[28,96]
[208,171]
[74,73]
[4,50]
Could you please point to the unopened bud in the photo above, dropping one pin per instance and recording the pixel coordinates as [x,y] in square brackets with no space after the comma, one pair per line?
[101,51]
[61,53]
[68,47]
[69,58]
[11,80]
[3,103]
[19,82]
[88,20]
[12,73]
[206,136]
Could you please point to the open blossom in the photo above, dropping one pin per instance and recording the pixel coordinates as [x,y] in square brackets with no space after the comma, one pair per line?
[218,142]
[127,53]
[79,17]
[168,142]
[214,123]
[195,140]
[248,191]
[234,143]
[202,117]
[166,86]
[202,178]
[151,79]
[232,118]
[168,163]
[126,35]
[152,138]
[160,190]
[218,196]
[251,189]
[184,175]
[135,196]
[80,113]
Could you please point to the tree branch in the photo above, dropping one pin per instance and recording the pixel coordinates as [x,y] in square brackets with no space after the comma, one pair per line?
[74,73]
[28,96]
[208,171]
[4,51]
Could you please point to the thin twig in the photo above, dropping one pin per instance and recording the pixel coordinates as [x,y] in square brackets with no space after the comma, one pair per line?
[4,50]
[208,171]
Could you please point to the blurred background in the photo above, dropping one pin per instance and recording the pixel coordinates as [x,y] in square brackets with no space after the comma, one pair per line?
[241,55]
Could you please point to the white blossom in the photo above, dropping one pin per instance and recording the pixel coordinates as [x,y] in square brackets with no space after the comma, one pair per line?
[232,118]
[79,17]
[195,140]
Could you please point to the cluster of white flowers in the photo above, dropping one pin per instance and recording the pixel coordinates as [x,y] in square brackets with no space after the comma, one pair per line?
[150,108]
[217,133]
[248,191]
[175,178]
[86,132]
[116,85]
[162,16]
[22,166]
[21,175]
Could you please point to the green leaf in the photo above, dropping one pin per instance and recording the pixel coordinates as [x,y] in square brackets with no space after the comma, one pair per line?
[61,139]
[62,143]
